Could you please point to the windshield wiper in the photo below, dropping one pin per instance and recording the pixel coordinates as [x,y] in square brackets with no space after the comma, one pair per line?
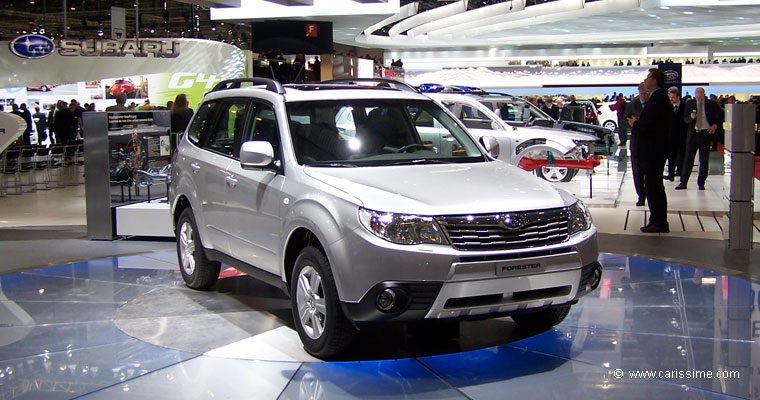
[420,161]
[342,165]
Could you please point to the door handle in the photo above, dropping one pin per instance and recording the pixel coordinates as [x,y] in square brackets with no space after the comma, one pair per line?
[231,181]
[195,167]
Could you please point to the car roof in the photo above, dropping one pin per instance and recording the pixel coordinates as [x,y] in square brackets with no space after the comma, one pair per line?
[309,92]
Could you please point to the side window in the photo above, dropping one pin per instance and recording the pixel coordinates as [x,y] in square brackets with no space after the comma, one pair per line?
[264,127]
[200,122]
[225,134]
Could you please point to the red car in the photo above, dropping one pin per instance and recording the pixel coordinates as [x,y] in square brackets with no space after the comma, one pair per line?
[121,86]
[43,88]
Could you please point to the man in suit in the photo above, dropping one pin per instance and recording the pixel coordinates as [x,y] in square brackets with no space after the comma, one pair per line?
[654,126]
[677,135]
[632,112]
[703,117]
[550,108]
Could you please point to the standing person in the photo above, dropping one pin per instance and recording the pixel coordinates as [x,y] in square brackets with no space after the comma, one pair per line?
[622,124]
[51,123]
[654,126]
[632,112]
[678,128]
[64,123]
[27,135]
[703,117]
[550,108]
[180,114]
[77,110]
[121,100]
[40,123]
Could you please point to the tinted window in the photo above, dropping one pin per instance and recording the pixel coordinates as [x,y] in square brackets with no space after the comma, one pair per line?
[229,124]
[264,127]
[201,120]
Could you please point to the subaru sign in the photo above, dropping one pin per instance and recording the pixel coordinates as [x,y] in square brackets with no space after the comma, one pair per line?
[32,46]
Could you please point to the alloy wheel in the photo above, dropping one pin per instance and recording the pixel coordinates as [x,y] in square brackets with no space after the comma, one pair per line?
[311,302]
[554,174]
[187,248]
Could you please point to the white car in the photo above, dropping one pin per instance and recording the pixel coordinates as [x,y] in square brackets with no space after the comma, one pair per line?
[521,146]
[608,118]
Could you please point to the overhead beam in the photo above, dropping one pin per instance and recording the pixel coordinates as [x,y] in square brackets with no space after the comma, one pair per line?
[293,2]
[371,1]
[213,3]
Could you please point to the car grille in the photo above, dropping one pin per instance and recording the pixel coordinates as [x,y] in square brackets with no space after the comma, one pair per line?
[507,230]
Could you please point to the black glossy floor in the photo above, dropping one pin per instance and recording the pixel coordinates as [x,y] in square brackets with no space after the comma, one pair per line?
[127,327]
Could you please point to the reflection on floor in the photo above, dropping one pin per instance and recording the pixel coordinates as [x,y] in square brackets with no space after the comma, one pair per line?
[128,328]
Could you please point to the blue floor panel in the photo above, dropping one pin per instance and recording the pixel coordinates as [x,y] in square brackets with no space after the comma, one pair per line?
[58,339]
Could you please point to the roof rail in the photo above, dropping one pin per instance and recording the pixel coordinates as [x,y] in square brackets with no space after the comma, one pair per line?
[271,85]
[380,81]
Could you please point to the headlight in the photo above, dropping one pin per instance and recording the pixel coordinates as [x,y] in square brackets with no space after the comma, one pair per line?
[580,218]
[401,228]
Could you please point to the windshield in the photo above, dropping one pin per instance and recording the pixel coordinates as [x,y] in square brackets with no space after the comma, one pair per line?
[371,132]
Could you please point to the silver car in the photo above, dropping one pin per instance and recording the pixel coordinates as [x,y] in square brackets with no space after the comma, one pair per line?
[529,147]
[397,215]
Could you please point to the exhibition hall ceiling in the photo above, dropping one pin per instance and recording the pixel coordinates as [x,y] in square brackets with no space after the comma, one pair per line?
[414,25]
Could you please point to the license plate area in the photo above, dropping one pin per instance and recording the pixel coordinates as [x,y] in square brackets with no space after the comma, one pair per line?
[519,268]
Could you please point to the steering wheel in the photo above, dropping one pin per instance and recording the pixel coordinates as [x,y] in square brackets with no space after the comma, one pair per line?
[409,147]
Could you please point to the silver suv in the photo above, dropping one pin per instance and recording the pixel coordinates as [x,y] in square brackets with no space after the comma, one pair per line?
[371,205]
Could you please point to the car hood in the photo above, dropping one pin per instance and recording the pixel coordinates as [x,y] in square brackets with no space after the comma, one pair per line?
[444,189]
[555,133]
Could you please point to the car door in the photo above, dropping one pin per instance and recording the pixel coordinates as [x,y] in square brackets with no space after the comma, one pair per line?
[254,196]
[212,164]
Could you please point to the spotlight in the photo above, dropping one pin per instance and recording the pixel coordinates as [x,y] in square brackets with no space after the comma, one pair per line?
[152,30]
[213,27]
[99,32]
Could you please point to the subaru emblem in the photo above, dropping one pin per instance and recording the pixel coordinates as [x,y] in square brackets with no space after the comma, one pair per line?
[32,46]
[512,222]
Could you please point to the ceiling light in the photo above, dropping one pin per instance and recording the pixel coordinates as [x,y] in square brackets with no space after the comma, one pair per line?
[664,8]
[688,12]
[152,30]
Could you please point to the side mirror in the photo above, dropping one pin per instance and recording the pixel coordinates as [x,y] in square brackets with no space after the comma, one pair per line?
[491,145]
[256,154]
[495,126]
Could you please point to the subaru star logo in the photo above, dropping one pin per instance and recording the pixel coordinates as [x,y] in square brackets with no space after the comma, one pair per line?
[671,75]
[32,46]
[512,222]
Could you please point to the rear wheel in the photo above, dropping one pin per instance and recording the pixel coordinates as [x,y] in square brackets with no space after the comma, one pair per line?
[323,328]
[542,320]
[556,174]
[197,270]
[611,125]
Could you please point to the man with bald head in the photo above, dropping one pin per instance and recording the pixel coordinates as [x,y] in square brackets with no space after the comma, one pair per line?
[703,117]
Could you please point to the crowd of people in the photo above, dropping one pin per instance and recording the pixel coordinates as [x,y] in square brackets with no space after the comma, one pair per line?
[61,123]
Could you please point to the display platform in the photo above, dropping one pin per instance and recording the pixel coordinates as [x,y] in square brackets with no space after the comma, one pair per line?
[128,328]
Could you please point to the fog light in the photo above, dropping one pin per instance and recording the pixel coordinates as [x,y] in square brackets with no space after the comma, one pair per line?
[386,299]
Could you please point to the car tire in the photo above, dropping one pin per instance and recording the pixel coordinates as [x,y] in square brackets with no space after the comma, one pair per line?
[197,270]
[556,174]
[323,328]
[541,320]
[611,125]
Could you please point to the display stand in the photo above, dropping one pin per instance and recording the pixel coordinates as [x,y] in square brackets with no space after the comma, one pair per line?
[127,158]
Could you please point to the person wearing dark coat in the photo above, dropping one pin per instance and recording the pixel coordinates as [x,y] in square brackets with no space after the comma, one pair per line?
[654,125]
[65,123]
[703,117]
[632,111]
[678,127]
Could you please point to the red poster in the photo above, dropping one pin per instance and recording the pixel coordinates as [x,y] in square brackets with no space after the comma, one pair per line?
[311,30]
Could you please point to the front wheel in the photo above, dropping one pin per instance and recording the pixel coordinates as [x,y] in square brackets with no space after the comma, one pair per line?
[611,125]
[542,320]
[556,174]
[197,270]
[323,328]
